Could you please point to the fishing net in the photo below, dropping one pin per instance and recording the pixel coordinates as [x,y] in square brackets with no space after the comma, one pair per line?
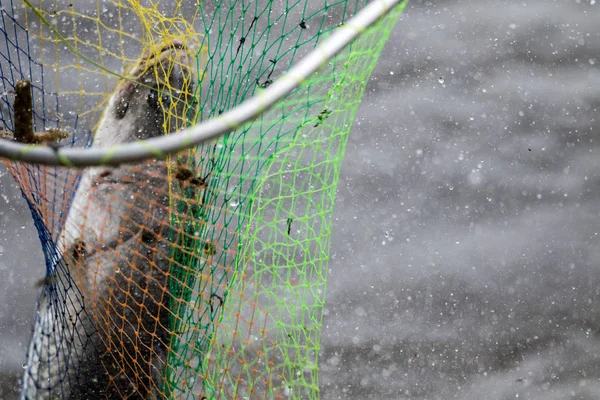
[200,275]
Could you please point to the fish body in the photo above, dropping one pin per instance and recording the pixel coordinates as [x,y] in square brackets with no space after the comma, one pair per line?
[102,329]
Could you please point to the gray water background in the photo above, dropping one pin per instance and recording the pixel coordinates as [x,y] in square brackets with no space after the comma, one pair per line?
[465,240]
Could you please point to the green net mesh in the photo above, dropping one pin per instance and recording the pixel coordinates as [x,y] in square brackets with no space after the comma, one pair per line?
[202,275]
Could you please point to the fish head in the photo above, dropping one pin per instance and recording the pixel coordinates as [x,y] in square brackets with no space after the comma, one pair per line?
[156,97]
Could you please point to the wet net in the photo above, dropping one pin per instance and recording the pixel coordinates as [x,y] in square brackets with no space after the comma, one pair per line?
[201,275]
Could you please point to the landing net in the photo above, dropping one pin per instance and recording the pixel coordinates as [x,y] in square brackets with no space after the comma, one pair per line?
[201,275]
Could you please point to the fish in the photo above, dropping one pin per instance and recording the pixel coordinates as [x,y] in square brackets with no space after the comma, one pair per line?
[103,323]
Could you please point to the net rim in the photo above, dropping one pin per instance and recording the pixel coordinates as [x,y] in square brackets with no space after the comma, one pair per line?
[161,147]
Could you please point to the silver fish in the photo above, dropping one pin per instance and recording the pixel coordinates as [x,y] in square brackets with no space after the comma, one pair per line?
[102,329]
